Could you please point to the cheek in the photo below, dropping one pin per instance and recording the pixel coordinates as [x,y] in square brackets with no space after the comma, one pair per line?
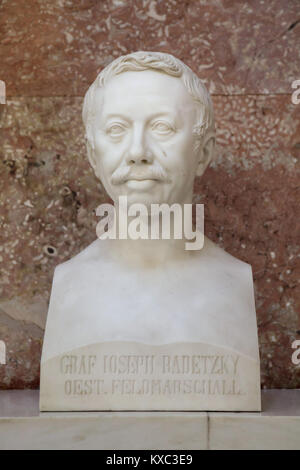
[101,144]
[108,153]
[180,150]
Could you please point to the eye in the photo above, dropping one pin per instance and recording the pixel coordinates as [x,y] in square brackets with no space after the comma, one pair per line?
[116,130]
[162,128]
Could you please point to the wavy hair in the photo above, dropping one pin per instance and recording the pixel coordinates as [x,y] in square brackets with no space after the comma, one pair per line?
[162,62]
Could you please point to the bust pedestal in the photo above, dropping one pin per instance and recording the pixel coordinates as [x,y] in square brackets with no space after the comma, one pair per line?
[179,337]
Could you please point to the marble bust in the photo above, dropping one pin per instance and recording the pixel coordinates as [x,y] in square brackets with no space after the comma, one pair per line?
[145,324]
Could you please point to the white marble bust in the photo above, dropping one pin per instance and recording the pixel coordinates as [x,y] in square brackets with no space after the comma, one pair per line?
[150,130]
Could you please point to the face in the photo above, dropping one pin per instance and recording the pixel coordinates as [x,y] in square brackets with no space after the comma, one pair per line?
[143,141]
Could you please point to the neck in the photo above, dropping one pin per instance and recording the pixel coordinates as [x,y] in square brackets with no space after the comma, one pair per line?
[151,239]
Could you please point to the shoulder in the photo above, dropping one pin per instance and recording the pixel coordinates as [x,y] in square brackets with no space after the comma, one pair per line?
[80,262]
[223,262]
[220,255]
[230,280]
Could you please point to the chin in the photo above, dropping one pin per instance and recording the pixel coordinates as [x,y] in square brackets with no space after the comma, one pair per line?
[145,199]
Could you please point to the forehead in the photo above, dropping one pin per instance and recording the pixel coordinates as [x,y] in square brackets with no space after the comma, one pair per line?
[142,93]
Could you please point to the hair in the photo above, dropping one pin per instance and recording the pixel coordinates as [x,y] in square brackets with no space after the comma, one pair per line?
[161,62]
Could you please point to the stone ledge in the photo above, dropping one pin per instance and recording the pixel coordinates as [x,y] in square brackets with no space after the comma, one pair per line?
[22,426]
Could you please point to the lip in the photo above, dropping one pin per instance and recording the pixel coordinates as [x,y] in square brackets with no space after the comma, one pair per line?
[140,178]
[141,184]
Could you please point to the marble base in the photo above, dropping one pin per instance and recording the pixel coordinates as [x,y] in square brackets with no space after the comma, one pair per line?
[22,426]
[124,347]
[124,376]
[276,428]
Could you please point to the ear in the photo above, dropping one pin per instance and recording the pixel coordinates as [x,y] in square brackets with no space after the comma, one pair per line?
[91,154]
[206,152]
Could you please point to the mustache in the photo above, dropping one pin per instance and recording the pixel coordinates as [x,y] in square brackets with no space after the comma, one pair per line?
[123,174]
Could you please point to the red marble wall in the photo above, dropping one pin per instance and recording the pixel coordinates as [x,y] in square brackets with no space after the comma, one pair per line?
[248,54]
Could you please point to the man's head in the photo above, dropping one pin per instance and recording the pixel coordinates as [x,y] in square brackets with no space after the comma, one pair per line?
[149,127]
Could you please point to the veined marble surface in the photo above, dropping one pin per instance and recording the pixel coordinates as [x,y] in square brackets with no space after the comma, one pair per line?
[248,63]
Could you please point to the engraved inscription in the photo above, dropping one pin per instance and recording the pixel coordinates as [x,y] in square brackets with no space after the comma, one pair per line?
[77,364]
[128,364]
[153,374]
[84,387]
[175,387]
[197,364]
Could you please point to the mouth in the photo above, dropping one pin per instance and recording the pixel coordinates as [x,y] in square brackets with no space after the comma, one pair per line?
[141,183]
[141,178]
[135,175]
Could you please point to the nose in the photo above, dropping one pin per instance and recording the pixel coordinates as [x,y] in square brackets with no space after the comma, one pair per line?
[139,152]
